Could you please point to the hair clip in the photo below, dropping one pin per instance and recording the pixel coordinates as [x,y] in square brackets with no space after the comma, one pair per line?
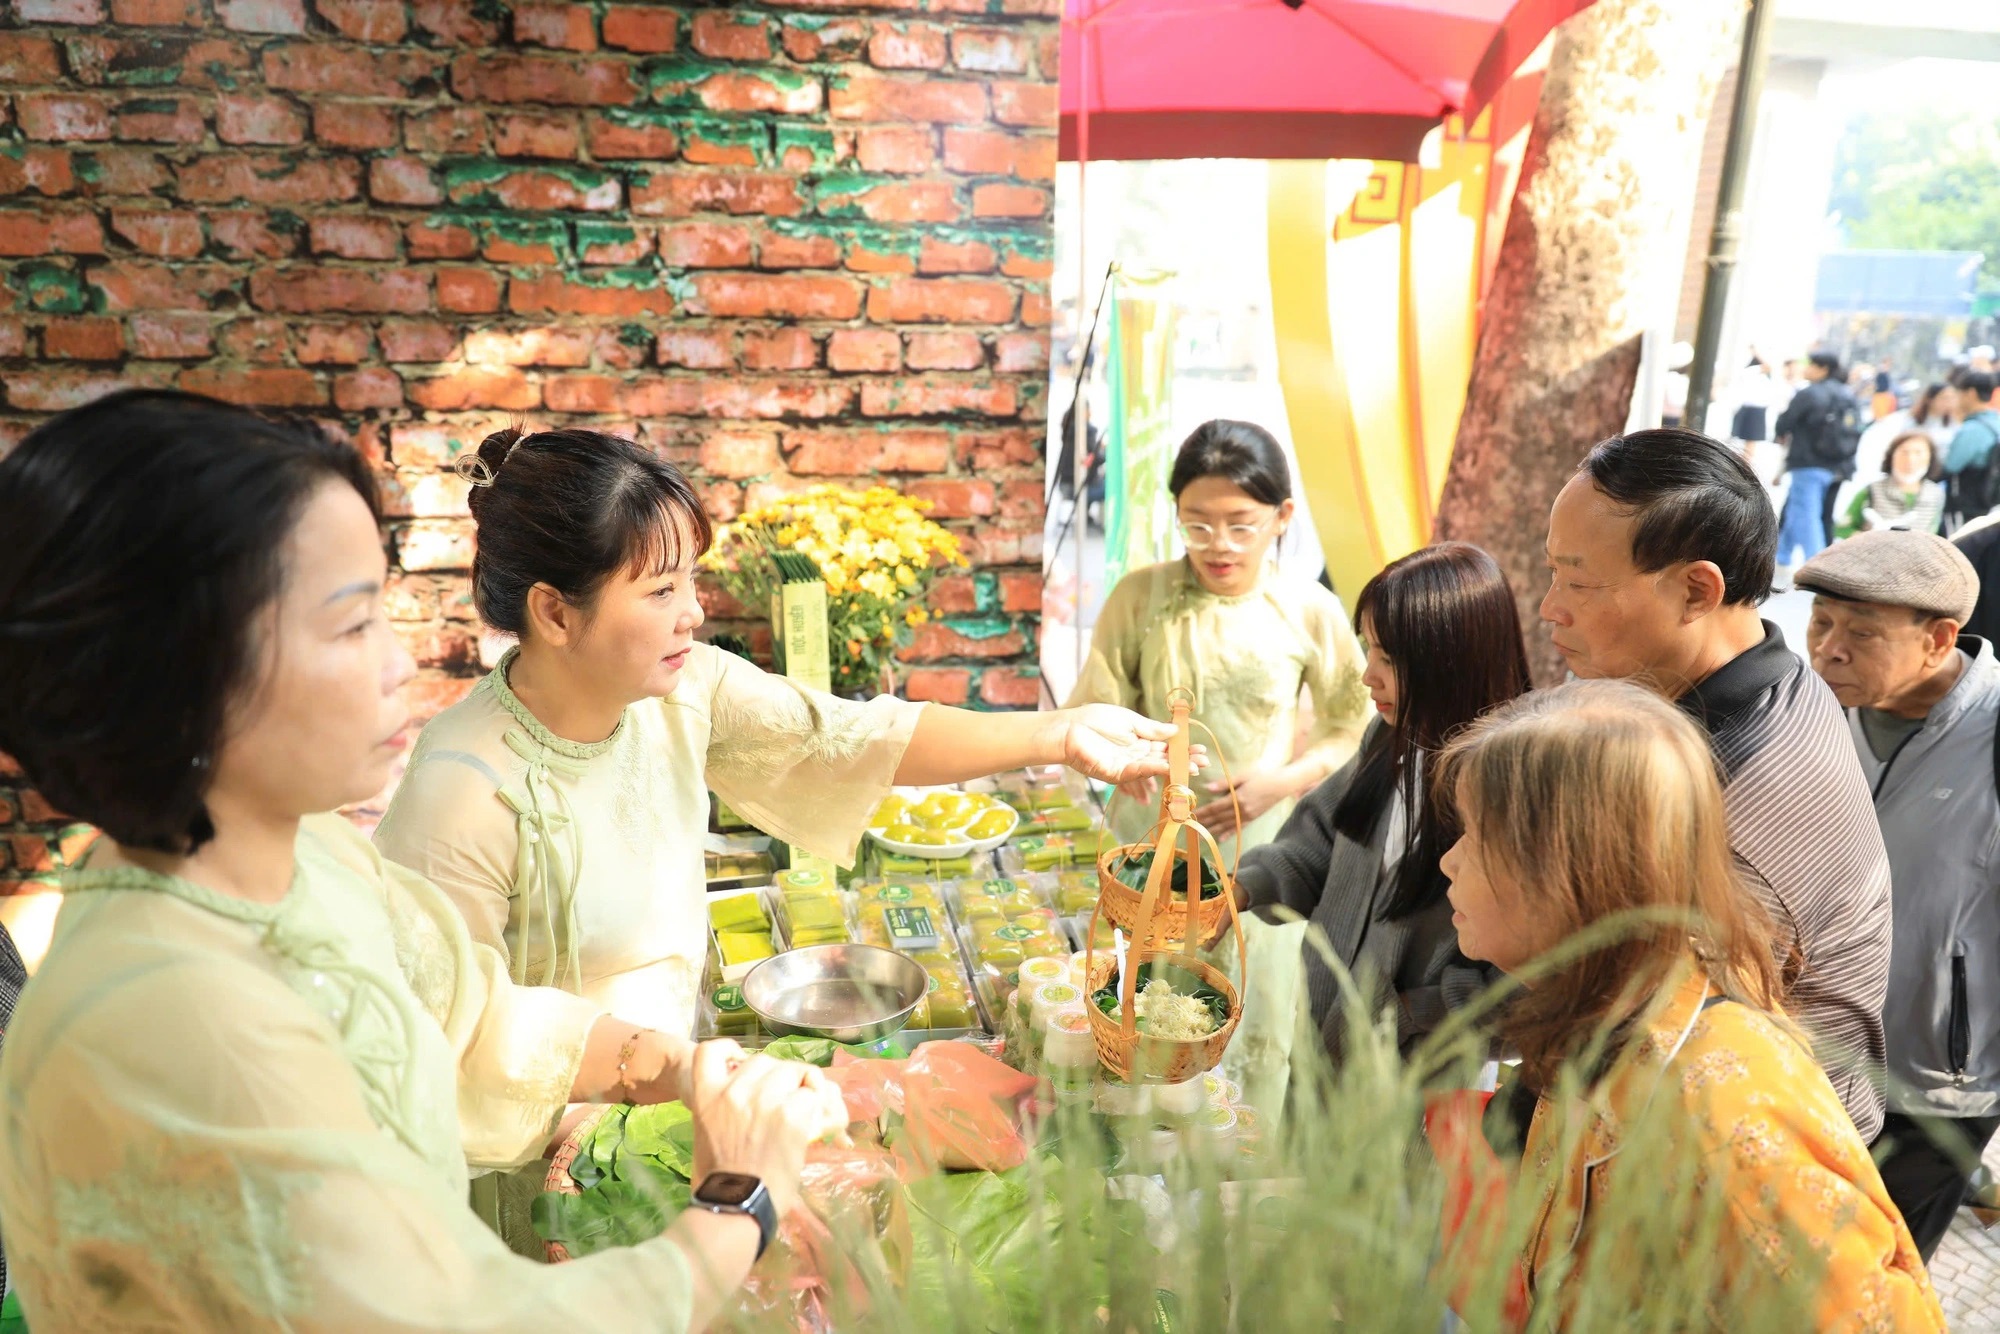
[473,469]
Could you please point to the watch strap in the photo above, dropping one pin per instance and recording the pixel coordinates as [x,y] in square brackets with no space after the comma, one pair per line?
[758,1207]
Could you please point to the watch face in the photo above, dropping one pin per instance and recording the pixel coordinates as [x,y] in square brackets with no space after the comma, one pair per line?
[727,1188]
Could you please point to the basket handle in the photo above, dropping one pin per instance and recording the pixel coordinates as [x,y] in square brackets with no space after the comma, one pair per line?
[1157,880]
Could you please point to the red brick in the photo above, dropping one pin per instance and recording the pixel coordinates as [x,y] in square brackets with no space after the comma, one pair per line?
[350,236]
[903,201]
[1020,592]
[435,544]
[503,388]
[453,130]
[856,452]
[724,36]
[267,341]
[611,141]
[247,119]
[357,291]
[468,291]
[63,117]
[23,232]
[994,153]
[953,595]
[158,60]
[551,294]
[719,151]
[416,340]
[333,344]
[991,544]
[324,67]
[798,252]
[990,451]
[628,250]
[272,386]
[657,396]
[171,337]
[270,16]
[829,39]
[990,51]
[997,200]
[1048,54]
[876,97]
[862,257]
[1021,498]
[446,648]
[157,13]
[59,11]
[165,235]
[457,22]
[13,343]
[938,398]
[269,179]
[937,640]
[528,347]
[251,236]
[28,59]
[740,454]
[132,284]
[402,180]
[940,300]
[679,194]
[83,338]
[1007,688]
[610,351]
[944,352]
[354,124]
[743,90]
[722,500]
[696,348]
[443,241]
[639,28]
[742,399]
[903,150]
[1021,353]
[938,685]
[370,387]
[765,296]
[565,27]
[876,350]
[530,135]
[554,80]
[936,255]
[171,120]
[705,245]
[907,46]
[790,349]
[119,172]
[57,389]
[46,171]
[1021,265]
[378,21]
[1027,104]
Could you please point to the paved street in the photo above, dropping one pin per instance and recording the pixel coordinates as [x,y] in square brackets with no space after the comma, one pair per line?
[1966,1270]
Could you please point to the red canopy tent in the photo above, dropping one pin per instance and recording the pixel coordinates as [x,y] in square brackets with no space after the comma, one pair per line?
[1285,78]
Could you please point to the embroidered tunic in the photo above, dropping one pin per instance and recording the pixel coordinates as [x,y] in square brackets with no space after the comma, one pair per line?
[224,1116]
[1245,658]
[582,863]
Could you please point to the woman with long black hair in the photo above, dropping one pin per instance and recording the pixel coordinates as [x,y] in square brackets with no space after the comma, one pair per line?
[1359,857]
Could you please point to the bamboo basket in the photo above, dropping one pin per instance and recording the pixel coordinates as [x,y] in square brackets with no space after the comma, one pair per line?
[1121,904]
[1121,1048]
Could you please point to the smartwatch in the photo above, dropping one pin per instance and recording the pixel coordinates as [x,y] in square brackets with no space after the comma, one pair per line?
[736,1193]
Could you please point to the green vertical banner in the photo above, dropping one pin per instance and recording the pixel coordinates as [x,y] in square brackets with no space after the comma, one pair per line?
[1139,448]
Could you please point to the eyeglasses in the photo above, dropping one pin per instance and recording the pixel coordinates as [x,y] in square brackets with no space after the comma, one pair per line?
[1235,537]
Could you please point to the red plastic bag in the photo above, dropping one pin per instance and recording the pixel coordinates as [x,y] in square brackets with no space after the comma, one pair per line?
[1475,1194]
[961,1108]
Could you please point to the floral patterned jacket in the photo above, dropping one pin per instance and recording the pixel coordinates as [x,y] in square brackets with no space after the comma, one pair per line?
[1769,1133]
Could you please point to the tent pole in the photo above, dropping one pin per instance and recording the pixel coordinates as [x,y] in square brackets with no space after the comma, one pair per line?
[1081,417]
[1727,237]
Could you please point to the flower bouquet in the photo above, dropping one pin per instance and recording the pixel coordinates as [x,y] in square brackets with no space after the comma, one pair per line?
[875,549]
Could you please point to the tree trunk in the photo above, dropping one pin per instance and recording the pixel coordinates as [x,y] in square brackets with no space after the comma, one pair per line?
[1589,258]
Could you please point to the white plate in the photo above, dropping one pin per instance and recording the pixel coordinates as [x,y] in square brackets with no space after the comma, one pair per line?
[958,847]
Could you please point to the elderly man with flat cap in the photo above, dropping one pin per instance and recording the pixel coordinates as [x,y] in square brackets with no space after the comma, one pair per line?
[1922,701]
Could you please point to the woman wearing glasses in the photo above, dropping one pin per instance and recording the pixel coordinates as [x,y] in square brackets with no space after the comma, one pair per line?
[1223,622]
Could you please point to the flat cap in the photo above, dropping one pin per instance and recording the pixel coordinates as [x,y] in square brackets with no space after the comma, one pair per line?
[1896,568]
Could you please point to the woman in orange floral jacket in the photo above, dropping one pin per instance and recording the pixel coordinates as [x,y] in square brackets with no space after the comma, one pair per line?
[1682,1119]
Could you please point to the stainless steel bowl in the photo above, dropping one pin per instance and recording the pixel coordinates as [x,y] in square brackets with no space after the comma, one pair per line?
[850,993]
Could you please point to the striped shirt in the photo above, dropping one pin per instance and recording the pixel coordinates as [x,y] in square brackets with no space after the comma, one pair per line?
[1804,832]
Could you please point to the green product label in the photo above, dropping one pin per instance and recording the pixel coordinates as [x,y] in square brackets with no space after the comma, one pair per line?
[1013,933]
[804,879]
[998,889]
[729,998]
[1012,979]
[894,894]
[934,984]
[910,925]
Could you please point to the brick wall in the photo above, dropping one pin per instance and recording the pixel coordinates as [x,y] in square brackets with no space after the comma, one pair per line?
[800,242]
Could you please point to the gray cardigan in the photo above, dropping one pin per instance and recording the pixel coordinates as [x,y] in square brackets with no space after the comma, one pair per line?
[1339,886]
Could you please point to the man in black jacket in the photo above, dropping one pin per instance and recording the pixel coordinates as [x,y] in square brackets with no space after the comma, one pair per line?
[1821,429]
